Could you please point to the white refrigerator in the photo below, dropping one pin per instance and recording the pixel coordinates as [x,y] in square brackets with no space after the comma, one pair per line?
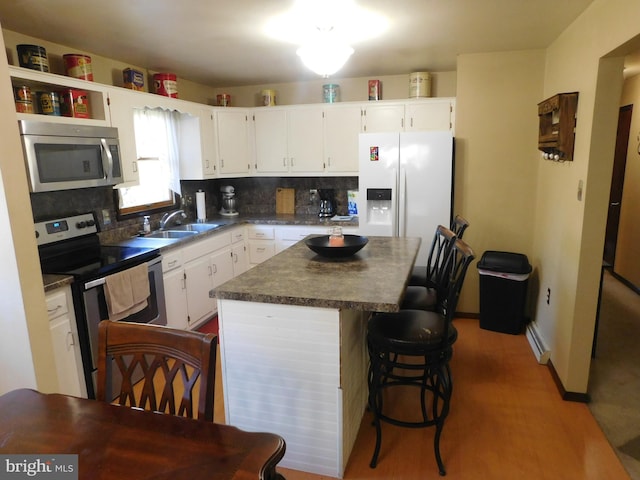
[405,185]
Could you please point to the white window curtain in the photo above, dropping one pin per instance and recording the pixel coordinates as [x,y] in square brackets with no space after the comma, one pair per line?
[157,136]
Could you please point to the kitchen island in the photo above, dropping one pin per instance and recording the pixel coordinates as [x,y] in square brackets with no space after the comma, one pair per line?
[293,350]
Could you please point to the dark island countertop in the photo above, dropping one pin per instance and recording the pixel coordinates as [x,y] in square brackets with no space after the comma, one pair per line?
[374,279]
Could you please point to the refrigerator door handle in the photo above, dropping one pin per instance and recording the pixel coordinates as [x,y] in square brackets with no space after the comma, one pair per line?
[395,205]
[402,200]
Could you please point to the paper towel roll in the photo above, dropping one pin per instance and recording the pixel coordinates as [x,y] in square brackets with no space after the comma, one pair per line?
[201,208]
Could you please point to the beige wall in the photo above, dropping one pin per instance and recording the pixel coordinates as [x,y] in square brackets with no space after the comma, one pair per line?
[627,262]
[394,87]
[569,232]
[26,352]
[105,70]
[496,154]
[109,71]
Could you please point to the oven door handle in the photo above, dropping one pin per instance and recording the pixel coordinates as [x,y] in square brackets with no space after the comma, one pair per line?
[101,281]
[108,168]
[95,283]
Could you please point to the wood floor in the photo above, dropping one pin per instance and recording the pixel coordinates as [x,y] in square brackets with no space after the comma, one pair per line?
[507,421]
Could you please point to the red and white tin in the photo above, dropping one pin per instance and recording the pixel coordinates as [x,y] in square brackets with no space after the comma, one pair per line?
[224,100]
[375,90]
[165,84]
[78,66]
[74,103]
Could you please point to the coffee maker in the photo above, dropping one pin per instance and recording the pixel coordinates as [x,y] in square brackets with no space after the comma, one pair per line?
[326,203]
[228,201]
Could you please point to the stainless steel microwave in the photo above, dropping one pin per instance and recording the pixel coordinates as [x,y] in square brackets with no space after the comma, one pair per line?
[61,156]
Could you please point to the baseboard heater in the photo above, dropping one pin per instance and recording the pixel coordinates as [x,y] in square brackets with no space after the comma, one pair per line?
[541,352]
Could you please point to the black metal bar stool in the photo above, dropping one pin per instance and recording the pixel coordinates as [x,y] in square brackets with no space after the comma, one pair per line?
[421,274]
[413,348]
[428,287]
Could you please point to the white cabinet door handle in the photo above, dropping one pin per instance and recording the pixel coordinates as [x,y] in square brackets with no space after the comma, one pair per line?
[54,310]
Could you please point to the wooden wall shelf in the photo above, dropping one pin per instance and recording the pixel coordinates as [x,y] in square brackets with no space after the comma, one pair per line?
[557,126]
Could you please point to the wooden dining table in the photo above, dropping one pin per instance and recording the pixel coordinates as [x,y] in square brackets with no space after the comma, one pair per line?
[116,442]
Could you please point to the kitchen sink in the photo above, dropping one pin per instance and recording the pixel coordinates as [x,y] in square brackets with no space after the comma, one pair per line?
[172,234]
[195,227]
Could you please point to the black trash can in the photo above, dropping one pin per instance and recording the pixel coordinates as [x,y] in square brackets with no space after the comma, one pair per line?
[504,277]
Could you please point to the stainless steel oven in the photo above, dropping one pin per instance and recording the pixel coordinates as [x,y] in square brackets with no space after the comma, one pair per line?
[95,308]
[70,246]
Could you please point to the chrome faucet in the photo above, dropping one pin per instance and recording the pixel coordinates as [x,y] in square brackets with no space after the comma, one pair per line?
[167,217]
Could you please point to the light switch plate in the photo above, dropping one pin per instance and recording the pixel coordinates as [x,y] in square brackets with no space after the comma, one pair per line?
[580,188]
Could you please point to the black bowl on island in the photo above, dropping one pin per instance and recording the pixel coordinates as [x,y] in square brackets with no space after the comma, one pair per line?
[334,249]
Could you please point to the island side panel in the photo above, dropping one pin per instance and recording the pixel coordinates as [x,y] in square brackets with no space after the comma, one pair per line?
[354,363]
[281,374]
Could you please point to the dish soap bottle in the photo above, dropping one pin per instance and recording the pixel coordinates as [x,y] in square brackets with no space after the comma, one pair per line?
[146,224]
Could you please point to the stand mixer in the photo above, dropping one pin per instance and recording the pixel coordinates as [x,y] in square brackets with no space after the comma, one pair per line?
[228,201]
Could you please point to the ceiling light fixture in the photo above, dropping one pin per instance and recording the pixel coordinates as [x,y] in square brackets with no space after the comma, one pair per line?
[325,31]
[325,54]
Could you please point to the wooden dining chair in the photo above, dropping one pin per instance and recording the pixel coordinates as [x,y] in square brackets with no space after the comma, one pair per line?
[157,368]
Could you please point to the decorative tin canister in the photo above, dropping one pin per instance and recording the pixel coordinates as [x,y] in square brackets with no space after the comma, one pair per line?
[268,98]
[33,57]
[331,93]
[133,79]
[419,84]
[165,84]
[24,106]
[224,100]
[74,103]
[375,90]
[49,103]
[22,94]
[78,66]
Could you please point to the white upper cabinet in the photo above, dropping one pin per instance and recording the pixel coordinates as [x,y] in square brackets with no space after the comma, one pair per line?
[271,140]
[219,142]
[436,114]
[198,155]
[304,127]
[195,152]
[96,95]
[341,131]
[289,140]
[382,118]
[122,103]
[232,133]
[410,115]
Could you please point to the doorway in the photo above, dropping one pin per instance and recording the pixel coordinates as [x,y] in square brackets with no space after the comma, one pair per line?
[617,184]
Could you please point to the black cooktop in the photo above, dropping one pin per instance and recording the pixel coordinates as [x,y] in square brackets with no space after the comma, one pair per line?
[71,246]
[88,259]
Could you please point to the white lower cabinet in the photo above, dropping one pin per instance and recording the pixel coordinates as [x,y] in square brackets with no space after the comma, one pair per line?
[262,245]
[199,282]
[175,290]
[189,275]
[66,348]
[239,253]
[288,235]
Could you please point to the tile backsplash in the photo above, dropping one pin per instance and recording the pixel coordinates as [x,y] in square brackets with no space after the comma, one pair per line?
[258,195]
[254,196]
